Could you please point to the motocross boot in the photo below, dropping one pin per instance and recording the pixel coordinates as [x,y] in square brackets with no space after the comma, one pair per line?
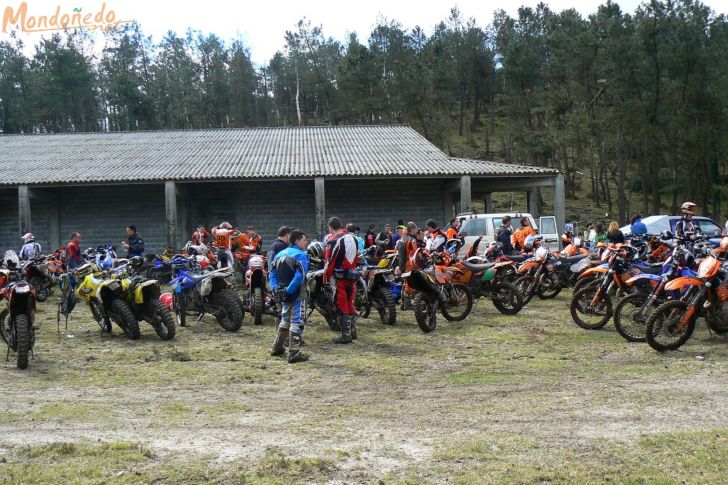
[352,318]
[345,324]
[279,343]
[295,355]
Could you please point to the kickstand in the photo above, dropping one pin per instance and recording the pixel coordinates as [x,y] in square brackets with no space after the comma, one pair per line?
[305,320]
[199,317]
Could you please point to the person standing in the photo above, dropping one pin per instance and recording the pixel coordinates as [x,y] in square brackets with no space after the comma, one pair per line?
[685,229]
[384,239]
[286,280]
[637,227]
[342,262]
[73,251]
[522,233]
[437,238]
[503,235]
[351,229]
[370,237]
[452,231]
[200,235]
[283,241]
[224,241]
[600,235]
[406,250]
[135,244]
[30,248]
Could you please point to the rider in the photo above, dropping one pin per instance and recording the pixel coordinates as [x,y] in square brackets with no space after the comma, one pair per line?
[351,229]
[685,229]
[522,233]
[384,239]
[30,248]
[200,235]
[342,261]
[406,250]
[134,244]
[283,241]
[436,241]
[251,242]
[452,231]
[73,251]
[224,234]
[286,279]
[503,235]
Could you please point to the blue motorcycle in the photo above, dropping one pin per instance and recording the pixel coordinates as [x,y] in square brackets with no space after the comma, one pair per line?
[633,310]
[198,293]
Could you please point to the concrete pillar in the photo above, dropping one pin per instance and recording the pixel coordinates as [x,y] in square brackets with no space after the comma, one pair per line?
[24,209]
[559,202]
[170,212]
[465,194]
[534,197]
[320,206]
[55,230]
[488,203]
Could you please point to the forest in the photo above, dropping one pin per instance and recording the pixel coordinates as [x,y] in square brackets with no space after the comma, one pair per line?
[622,103]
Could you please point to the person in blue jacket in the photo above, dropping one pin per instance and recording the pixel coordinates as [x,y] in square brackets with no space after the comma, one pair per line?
[637,227]
[286,280]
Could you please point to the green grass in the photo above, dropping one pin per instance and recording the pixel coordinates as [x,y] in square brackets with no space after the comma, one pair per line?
[524,399]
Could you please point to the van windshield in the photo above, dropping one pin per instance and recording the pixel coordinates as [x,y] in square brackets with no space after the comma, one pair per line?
[474,227]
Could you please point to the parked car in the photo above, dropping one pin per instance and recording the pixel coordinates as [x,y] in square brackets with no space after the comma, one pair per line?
[472,226]
[661,223]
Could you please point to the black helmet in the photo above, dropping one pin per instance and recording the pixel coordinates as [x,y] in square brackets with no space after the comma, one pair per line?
[137,262]
[683,257]
[316,249]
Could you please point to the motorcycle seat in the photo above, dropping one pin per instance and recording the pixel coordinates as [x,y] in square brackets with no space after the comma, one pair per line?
[477,267]
[517,258]
[572,259]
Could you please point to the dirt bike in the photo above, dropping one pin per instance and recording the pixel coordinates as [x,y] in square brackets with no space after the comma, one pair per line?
[206,292]
[105,298]
[320,296]
[42,273]
[706,295]
[433,289]
[258,300]
[142,295]
[633,310]
[17,318]
[490,280]
[563,272]
[533,276]
[374,291]
[591,306]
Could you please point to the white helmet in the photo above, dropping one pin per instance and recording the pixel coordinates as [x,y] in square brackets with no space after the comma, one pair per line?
[530,242]
[28,237]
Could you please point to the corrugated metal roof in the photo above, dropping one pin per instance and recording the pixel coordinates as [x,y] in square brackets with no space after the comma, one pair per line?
[302,152]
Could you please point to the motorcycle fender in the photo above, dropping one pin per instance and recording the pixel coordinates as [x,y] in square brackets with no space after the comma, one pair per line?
[650,277]
[528,265]
[206,287]
[680,283]
[592,271]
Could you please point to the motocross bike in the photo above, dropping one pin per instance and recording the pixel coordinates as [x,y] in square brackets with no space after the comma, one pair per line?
[563,272]
[433,289]
[105,298]
[258,300]
[706,295]
[633,310]
[533,275]
[488,280]
[207,292]
[142,295]
[320,296]
[374,291]
[591,306]
[17,318]
[42,273]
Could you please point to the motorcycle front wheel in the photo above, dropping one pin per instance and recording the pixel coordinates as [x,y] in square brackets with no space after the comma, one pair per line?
[665,327]
[256,306]
[163,320]
[22,339]
[630,318]
[588,315]
[126,319]
[458,304]
[507,298]
[523,283]
[549,287]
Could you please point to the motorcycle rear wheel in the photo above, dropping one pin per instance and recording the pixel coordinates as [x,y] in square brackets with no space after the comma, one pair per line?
[22,339]
[425,314]
[586,315]
[664,330]
[549,287]
[507,298]
[457,308]
[233,318]
[256,306]
[385,306]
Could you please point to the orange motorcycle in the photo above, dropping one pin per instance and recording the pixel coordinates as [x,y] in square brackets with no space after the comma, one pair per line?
[706,295]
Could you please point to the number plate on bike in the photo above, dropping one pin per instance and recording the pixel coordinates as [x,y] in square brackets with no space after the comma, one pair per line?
[405,275]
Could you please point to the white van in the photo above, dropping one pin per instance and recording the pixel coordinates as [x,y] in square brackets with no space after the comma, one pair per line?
[472,226]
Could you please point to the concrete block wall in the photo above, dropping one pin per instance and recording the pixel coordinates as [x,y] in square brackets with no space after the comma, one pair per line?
[101,214]
[381,202]
[264,205]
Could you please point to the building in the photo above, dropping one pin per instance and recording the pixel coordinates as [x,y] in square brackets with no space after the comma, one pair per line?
[167,182]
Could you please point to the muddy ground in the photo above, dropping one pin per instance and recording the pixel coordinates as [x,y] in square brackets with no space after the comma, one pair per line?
[529,398]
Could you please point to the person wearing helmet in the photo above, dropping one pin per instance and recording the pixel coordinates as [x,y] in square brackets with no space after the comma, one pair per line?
[286,279]
[30,248]
[685,229]
[134,244]
[342,263]
[224,234]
